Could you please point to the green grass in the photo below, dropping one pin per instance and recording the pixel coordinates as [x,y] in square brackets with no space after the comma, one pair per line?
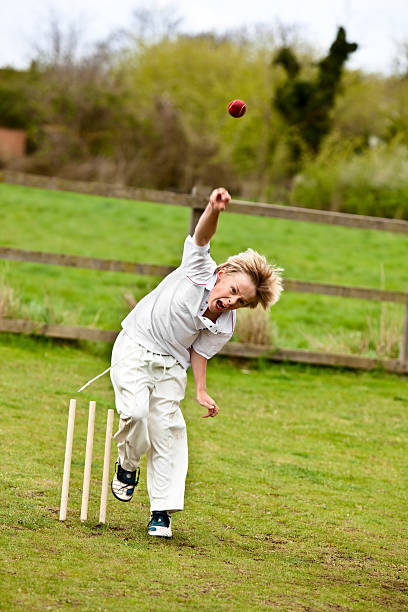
[152,233]
[296,494]
[295,500]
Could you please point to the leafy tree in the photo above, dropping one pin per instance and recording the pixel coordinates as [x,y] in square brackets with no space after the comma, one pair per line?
[199,75]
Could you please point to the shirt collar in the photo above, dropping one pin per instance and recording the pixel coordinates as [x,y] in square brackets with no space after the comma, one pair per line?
[211,282]
[224,324]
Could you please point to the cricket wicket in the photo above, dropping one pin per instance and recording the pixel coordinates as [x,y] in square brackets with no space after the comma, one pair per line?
[67,461]
[106,463]
[88,463]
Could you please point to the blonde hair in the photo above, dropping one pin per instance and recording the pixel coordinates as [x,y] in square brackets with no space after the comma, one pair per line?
[266,278]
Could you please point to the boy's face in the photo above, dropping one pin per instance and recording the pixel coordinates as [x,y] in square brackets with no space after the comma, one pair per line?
[231,291]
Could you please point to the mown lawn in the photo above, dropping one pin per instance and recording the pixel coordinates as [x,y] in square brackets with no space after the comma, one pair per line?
[152,233]
[296,494]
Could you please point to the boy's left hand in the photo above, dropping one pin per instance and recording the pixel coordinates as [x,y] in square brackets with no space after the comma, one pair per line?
[205,400]
[219,199]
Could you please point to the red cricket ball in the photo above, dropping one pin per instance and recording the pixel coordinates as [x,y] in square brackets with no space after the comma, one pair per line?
[237,108]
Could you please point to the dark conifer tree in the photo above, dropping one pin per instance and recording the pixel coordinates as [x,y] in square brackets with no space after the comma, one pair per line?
[306,105]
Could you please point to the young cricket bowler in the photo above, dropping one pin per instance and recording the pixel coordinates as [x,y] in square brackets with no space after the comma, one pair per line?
[184,321]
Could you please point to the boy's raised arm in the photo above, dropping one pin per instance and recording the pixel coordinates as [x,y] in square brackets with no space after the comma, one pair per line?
[207,224]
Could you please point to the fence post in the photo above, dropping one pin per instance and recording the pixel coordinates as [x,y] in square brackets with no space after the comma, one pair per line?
[403,354]
[202,194]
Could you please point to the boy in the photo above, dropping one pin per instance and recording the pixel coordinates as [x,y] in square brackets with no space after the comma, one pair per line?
[184,321]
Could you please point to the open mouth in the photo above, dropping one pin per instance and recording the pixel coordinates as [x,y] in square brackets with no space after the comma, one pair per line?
[219,305]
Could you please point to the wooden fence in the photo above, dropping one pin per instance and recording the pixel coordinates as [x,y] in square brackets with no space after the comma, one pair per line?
[197,202]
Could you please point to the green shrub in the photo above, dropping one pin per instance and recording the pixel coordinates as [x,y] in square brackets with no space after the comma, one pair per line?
[374,182]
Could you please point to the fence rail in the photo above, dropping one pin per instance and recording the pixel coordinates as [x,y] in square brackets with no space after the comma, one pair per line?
[77,261]
[197,201]
[232,349]
[129,267]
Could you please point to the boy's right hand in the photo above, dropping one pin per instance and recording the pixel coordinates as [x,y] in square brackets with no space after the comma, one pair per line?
[205,400]
[219,199]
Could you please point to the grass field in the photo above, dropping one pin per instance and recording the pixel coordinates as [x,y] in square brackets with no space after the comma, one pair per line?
[152,233]
[296,495]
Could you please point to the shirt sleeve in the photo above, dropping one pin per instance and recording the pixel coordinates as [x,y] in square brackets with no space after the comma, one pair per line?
[197,261]
[208,344]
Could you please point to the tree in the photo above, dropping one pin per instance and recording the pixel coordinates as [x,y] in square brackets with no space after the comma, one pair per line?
[306,105]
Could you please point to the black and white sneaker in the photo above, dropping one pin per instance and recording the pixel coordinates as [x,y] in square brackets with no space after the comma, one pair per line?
[160,524]
[124,483]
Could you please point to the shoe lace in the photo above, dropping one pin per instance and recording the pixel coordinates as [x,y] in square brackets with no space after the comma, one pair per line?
[125,486]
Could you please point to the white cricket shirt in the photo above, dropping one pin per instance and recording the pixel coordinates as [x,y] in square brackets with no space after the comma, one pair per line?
[170,319]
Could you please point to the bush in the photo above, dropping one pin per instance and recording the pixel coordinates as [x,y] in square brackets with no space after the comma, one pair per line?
[255,327]
[374,182]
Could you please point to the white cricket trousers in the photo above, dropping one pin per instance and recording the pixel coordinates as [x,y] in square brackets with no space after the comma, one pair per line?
[148,391]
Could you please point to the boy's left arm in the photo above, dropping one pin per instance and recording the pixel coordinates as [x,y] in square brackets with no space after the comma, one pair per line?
[207,223]
[199,368]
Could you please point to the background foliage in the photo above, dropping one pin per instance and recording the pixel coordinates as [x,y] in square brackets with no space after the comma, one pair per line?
[148,108]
